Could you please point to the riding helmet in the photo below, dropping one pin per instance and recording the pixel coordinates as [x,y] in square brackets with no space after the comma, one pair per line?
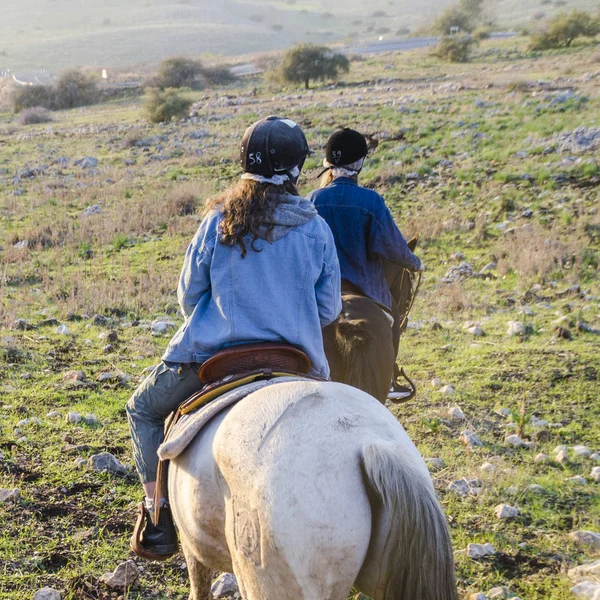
[345,147]
[273,145]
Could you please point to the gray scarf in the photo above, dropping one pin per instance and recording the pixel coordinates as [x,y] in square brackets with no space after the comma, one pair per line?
[292,211]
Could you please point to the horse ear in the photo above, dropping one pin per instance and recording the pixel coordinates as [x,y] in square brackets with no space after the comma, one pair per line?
[412,244]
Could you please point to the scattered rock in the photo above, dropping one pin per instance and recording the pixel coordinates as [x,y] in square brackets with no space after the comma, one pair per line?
[22,325]
[108,349]
[99,320]
[160,327]
[47,593]
[582,451]
[478,596]
[514,440]
[577,480]
[470,439]
[476,331]
[463,487]
[447,390]
[536,488]
[62,330]
[53,414]
[126,575]
[585,538]
[436,382]
[516,328]
[73,417]
[94,209]
[456,413]
[562,457]
[105,461]
[88,162]
[587,577]
[435,464]
[476,551]
[541,458]
[498,593]
[462,271]
[74,377]
[595,456]
[504,511]
[9,496]
[91,420]
[595,474]
[487,467]
[225,586]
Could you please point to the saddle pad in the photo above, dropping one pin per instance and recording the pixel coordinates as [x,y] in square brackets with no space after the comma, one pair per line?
[189,425]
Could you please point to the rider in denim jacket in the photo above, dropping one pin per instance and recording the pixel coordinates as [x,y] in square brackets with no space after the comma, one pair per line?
[261,268]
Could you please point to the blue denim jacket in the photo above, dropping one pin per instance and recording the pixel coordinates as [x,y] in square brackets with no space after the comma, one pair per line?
[284,293]
[365,235]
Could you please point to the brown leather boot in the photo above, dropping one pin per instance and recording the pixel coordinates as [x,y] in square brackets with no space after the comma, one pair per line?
[154,542]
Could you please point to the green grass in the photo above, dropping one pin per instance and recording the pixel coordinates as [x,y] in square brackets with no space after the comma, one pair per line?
[72,525]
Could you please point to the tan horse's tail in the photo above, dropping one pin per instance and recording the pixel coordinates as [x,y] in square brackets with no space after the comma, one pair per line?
[410,542]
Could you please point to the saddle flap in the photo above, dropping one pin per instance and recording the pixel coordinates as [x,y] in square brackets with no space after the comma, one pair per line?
[247,358]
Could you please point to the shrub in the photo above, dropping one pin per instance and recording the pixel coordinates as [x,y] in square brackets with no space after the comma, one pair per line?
[403,31]
[164,105]
[565,28]
[483,33]
[455,49]
[307,61]
[178,72]
[34,116]
[465,15]
[218,75]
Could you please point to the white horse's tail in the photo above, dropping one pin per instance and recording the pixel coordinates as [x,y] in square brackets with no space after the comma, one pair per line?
[410,536]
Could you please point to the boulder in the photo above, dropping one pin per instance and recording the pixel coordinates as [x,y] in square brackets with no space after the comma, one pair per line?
[105,461]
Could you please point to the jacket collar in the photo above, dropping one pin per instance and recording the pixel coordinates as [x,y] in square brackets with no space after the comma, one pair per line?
[343,181]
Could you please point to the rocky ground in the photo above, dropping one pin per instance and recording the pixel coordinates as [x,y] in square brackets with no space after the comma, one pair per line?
[494,164]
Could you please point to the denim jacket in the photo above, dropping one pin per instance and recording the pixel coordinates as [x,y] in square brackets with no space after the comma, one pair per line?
[285,292]
[365,236]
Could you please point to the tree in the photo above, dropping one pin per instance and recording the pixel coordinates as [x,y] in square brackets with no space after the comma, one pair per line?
[164,105]
[74,88]
[454,48]
[307,61]
[467,15]
[179,72]
[565,28]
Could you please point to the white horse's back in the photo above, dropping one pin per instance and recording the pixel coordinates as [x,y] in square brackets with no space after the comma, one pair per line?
[285,484]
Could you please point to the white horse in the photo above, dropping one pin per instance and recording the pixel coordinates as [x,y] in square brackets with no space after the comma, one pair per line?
[304,490]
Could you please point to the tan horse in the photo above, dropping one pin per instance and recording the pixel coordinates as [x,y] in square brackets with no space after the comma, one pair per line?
[305,489]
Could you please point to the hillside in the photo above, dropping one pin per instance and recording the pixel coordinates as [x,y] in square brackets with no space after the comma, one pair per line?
[64,33]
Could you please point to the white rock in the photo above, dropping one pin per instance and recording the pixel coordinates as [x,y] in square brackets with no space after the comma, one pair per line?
[541,458]
[80,462]
[62,330]
[447,390]
[476,331]
[514,440]
[91,419]
[435,464]
[478,596]
[105,461]
[9,495]
[595,474]
[487,467]
[53,414]
[595,456]
[160,327]
[516,328]
[476,551]
[560,448]
[504,511]
[588,570]
[225,586]
[470,439]
[589,590]
[582,451]
[124,576]
[562,457]
[498,593]
[47,593]
[456,413]
[463,487]
[538,423]
[73,417]
[583,537]
[577,480]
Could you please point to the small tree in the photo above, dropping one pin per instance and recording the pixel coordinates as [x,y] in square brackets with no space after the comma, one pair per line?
[455,49]
[74,88]
[307,61]
[179,72]
[467,15]
[164,105]
[565,28]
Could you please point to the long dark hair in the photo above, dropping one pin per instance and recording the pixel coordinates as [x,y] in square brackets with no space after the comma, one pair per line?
[248,206]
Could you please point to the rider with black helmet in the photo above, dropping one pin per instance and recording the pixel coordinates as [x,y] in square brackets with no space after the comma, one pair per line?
[368,240]
[262,267]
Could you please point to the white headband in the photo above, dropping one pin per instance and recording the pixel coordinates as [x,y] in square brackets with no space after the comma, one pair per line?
[345,170]
[274,179]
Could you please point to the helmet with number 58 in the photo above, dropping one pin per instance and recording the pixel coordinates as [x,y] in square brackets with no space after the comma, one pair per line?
[273,145]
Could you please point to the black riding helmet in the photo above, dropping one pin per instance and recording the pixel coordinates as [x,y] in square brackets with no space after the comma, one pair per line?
[345,147]
[273,145]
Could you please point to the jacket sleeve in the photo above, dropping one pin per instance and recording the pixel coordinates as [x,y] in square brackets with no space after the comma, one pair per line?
[386,241]
[328,289]
[194,280]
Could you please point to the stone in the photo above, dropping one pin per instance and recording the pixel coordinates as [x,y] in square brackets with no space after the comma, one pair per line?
[476,551]
[113,337]
[99,320]
[503,412]
[108,349]
[589,570]
[582,451]
[543,435]
[476,331]
[74,377]
[577,480]
[470,439]
[541,458]
[160,327]
[588,590]
[589,539]
[80,462]
[225,586]
[538,423]
[435,464]
[595,474]
[91,420]
[447,390]
[9,496]
[47,593]
[514,440]
[498,593]
[107,377]
[436,382]
[87,162]
[536,488]
[126,575]
[73,417]
[562,457]
[478,596]
[487,467]
[463,487]
[94,209]
[516,328]
[22,325]
[62,330]
[504,511]
[489,267]
[456,413]
[105,461]
[53,414]
[595,456]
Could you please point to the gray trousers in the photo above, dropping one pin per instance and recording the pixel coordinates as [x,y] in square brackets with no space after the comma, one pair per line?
[154,400]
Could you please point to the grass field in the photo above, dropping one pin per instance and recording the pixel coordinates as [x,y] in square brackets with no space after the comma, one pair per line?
[479,159]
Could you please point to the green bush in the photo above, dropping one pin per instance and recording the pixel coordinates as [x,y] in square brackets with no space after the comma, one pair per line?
[178,72]
[164,105]
[307,61]
[466,15]
[565,28]
[483,33]
[456,49]
[218,75]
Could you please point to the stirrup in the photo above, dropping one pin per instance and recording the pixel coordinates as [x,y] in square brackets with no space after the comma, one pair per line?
[136,539]
[402,393]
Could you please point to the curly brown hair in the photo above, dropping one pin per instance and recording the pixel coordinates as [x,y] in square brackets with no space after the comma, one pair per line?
[247,207]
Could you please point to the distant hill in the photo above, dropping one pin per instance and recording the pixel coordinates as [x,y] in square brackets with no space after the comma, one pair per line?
[56,34]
